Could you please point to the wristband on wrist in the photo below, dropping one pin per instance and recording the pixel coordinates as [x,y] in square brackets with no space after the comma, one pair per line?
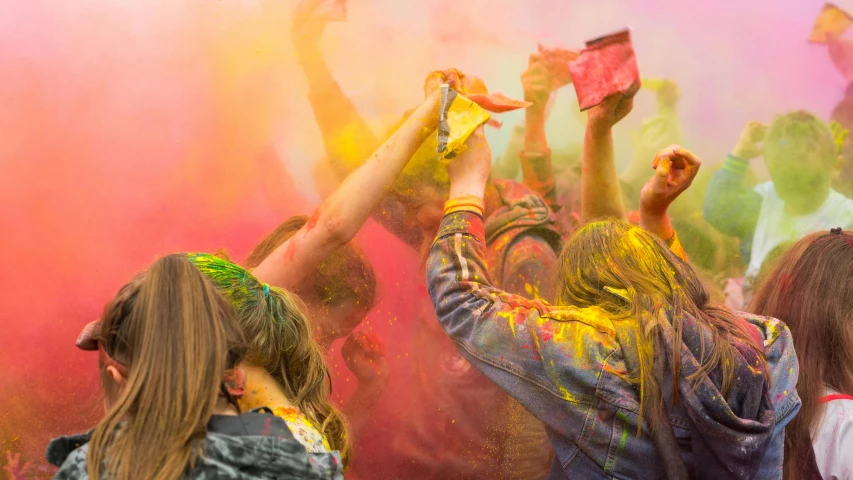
[468,203]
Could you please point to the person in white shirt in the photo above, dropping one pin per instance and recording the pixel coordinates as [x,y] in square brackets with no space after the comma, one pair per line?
[810,288]
[801,154]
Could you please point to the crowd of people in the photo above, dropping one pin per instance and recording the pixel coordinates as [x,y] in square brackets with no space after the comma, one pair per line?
[573,322]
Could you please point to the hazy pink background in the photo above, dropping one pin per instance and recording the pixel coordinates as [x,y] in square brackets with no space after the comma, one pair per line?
[129,130]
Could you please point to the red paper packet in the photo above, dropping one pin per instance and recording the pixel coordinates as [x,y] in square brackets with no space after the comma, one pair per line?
[474,89]
[605,67]
[497,102]
[557,60]
[831,21]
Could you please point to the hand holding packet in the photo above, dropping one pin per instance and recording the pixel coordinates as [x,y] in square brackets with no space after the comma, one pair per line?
[605,67]
[465,103]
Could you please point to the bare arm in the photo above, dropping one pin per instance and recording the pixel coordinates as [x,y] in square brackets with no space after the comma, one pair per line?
[675,169]
[601,196]
[340,217]
[346,136]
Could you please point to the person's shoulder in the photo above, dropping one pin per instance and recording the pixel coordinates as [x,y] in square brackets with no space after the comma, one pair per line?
[839,200]
[777,340]
[281,457]
[839,407]
[769,328]
[74,465]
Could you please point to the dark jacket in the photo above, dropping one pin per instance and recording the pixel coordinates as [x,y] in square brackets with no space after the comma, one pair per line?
[568,366]
[245,447]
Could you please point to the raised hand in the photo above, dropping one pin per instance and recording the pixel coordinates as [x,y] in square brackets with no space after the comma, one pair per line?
[536,81]
[841,53]
[748,145]
[306,26]
[608,113]
[675,169]
[668,96]
[13,467]
[470,170]
[464,84]
[364,355]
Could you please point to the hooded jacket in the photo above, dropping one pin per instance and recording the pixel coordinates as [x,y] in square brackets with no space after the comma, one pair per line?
[250,446]
[568,367]
[523,218]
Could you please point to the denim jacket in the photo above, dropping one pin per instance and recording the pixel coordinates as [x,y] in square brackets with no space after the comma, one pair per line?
[568,365]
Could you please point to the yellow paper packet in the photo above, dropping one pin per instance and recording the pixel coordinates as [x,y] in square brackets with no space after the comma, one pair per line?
[831,21]
[458,118]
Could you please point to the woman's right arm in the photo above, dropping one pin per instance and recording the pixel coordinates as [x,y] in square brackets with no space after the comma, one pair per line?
[340,217]
[346,136]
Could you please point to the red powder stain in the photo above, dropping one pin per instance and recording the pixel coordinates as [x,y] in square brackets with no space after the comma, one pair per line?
[312,222]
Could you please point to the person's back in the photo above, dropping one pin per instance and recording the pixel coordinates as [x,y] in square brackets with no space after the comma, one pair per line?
[811,289]
[580,371]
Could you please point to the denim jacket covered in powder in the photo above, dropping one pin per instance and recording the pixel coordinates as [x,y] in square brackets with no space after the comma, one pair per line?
[567,366]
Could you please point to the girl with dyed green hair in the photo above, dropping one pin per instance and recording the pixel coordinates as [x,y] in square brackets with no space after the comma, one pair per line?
[284,366]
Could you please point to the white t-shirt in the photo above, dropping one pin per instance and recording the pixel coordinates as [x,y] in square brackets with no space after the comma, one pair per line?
[776,227]
[833,440]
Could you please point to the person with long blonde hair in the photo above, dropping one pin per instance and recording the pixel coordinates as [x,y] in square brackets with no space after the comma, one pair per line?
[169,345]
[634,371]
[810,288]
[285,368]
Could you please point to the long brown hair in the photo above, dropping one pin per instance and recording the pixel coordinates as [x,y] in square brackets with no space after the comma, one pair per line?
[632,276]
[176,335]
[345,275]
[280,340]
[811,290]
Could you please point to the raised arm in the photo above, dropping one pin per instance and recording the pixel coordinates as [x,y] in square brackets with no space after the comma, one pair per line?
[536,169]
[601,196]
[675,169]
[346,136]
[730,206]
[340,217]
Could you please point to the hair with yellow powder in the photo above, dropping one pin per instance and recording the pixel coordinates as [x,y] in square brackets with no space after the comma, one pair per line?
[280,341]
[633,276]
